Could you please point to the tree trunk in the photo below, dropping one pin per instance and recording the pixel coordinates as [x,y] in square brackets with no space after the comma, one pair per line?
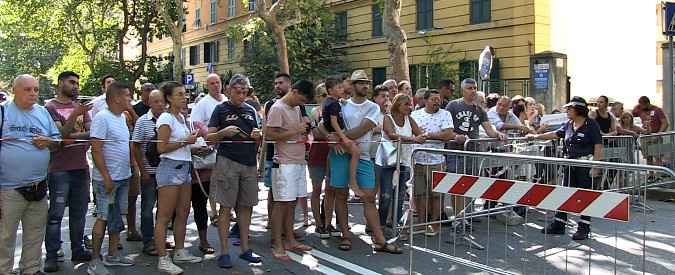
[282,49]
[177,59]
[397,44]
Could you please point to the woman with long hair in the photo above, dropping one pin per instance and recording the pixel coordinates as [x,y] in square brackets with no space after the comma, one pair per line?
[174,190]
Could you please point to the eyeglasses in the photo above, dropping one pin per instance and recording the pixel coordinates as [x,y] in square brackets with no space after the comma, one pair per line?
[434,99]
[242,89]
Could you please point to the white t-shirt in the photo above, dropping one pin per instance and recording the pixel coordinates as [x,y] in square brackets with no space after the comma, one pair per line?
[353,115]
[107,125]
[98,104]
[179,132]
[204,109]
[431,123]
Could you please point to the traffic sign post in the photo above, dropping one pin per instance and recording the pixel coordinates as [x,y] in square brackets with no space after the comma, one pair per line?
[668,23]
[189,79]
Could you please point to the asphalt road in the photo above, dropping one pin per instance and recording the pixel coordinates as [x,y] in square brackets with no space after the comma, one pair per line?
[614,247]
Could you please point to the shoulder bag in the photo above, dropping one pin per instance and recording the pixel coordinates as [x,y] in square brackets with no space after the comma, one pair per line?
[385,155]
[199,162]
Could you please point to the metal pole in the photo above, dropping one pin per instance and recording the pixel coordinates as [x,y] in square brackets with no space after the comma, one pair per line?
[394,215]
[672,77]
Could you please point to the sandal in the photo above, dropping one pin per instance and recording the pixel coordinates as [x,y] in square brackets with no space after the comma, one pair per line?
[307,223]
[345,244]
[214,220]
[387,247]
[134,237]
[206,248]
[281,257]
[150,250]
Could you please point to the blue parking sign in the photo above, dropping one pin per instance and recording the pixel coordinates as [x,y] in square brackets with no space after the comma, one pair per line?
[189,79]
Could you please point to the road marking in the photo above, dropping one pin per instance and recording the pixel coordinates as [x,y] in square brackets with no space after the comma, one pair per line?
[308,259]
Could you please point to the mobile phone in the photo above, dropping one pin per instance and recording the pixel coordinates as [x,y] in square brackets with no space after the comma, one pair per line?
[242,134]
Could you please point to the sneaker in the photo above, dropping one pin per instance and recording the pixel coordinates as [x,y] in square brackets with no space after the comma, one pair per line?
[95,213]
[82,256]
[97,268]
[224,261]
[657,180]
[234,231]
[51,265]
[166,265]
[117,260]
[322,232]
[334,232]
[402,237]
[650,179]
[510,218]
[354,200]
[431,230]
[184,256]
[87,242]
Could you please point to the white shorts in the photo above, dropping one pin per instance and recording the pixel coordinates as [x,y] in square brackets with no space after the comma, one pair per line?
[289,182]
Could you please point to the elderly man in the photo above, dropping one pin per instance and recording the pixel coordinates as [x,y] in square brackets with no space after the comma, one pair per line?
[391,86]
[68,172]
[24,187]
[234,181]
[504,120]
[145,130]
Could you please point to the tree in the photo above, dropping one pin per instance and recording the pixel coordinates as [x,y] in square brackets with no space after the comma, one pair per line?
[92,24]
[442,62]
[312,57]
[173,12]
[139,20]
[397,44]
[278,24]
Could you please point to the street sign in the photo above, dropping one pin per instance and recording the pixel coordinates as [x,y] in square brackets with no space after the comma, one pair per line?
[189,87]
[668,19]
[541,76]
[189,79]
[485,63]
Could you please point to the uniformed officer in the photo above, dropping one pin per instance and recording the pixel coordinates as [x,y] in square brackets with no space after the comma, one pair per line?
[582,139]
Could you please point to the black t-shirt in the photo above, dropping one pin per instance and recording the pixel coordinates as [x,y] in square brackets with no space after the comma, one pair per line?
[254,104]
[582,142]
[332,108]
[269,152]
[223,116]
[141,108]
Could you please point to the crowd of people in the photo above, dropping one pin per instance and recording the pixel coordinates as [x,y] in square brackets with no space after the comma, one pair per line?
[211,155]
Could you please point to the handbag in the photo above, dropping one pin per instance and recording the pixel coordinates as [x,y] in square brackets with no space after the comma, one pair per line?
[34,192]
[385,155]
[199,162]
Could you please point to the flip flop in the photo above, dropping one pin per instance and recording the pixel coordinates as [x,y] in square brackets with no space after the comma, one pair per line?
[387,248]
[206,248]
[281,257]
[150,250]
[345,246]
[301,247]
[134,237]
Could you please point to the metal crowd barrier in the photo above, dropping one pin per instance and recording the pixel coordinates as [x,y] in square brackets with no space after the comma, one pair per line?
[660,146]
[621,240]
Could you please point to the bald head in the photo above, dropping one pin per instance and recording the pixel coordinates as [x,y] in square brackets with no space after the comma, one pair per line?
[26,89]
[214,85]
[146,88]
[156,102]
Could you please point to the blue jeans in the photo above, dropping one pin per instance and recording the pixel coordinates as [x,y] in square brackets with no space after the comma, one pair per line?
[148,201]
[387,191]
[69,188]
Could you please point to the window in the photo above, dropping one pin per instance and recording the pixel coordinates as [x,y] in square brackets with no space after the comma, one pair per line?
[198,17]
[230,48]
[194,55]
[379,75]
[425,14]
[251,5]
[341,26]
[214,9]
[377,20]
[252,44]
[184,22]
[480,11]
[211,52]
[230,9]
[160,62]
[183,55]
[412,69]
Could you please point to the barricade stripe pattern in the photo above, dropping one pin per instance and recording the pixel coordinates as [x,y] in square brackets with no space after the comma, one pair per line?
[593,203]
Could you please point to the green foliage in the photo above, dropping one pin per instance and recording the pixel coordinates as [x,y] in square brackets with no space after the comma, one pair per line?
[311,54]
[442,62]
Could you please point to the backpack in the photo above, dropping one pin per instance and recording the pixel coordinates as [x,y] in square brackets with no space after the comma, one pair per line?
[152,154]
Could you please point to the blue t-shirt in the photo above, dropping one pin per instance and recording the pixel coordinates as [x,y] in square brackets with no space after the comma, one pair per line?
[107,125]
[23,163]
[582,142]
[224,116]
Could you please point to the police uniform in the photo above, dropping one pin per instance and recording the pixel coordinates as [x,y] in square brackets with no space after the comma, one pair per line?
[579,144]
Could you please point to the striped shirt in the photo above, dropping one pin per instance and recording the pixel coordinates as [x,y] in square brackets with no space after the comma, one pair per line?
[107,125]
[145,130]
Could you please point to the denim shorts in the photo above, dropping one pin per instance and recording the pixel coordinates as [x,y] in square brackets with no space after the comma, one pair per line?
[173,172]
[268,173]
[120,197]
[317,171]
